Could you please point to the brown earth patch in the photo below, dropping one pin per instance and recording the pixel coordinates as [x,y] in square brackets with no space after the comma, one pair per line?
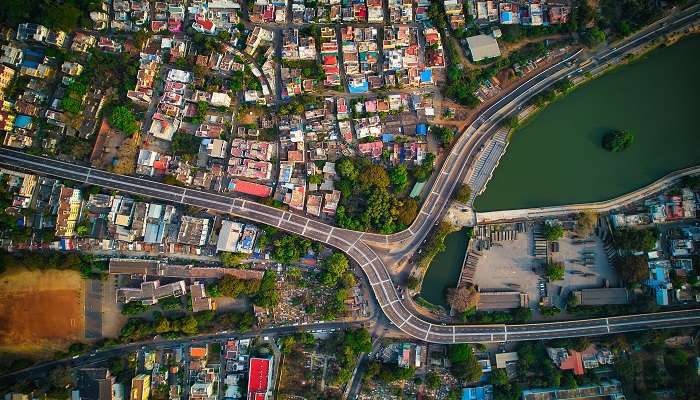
[40,310]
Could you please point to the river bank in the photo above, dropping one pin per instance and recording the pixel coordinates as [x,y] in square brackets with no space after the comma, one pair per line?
[556,158]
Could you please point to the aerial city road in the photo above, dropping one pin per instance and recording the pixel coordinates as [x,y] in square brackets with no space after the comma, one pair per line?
[366,248]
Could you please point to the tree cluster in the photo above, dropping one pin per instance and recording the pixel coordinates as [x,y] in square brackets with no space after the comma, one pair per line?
[290,248]
[552,232]
[635,240]
[555,271]
[465,365]
[463,193]
[518,315]
[48,259]
[230,286]
[267,295]
[617,141]
[632,269]
[348,345]
[123,120]
[185,145]
[232,259]
[388,372]
[138,329]
[368,203]
[463,298]
[443,134]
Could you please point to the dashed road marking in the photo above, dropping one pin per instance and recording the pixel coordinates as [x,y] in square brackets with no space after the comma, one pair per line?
[390,303]
[369,262]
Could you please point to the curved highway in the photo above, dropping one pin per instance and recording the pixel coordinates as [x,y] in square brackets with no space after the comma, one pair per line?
[356,244]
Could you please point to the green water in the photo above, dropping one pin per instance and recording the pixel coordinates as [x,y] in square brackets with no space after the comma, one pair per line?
[444,270]
[556,158]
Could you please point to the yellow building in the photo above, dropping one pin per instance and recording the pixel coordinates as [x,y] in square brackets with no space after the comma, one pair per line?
[69,206]
[140,387]
[6,75]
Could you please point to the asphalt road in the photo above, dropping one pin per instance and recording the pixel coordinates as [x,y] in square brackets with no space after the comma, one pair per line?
[102,355]
[357,244]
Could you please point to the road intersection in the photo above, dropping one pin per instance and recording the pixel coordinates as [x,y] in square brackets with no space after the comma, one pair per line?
[361,246]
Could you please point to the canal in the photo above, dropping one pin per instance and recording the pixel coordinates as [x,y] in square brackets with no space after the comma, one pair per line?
[556,158]
[443,271]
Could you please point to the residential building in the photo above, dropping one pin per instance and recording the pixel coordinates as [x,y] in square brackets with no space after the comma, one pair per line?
[140,387]
[229,235]
[200,300]
[6,75]
[478,393]
[149,293]
[34,32]
[70,204]
[247,241]
[193,230]
[483,47]
[260,379]
[98,384]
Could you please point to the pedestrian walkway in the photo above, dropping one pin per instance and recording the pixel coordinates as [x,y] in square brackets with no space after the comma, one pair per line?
[486,163]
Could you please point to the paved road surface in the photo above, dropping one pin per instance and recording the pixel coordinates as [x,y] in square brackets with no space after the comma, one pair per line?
[103,355]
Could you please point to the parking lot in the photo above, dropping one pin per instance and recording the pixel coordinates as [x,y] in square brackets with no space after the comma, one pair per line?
[511,265]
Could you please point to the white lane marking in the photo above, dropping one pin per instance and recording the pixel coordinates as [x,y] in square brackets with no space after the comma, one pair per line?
[428,332]
[369,262]
[492,337]
[607,324]
[380,282]
[182,199]
[404,321]
[305,225]
[88,175]
[279,220]
[390,303]
[454,335]
[231,209]
[329,235]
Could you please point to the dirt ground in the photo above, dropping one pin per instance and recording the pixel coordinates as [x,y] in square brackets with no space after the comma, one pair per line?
[40,311]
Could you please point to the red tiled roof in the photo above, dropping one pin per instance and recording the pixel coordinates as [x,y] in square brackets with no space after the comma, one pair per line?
[253,189]
[257,376]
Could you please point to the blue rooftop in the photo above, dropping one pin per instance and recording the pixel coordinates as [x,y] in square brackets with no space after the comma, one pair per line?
[421,129]
[662,297]
[426,76]
[387,137]
[364,88]
[23,121]
[477,393]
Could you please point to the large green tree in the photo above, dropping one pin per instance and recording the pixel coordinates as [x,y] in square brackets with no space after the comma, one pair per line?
[334,267]
[124,120]
[465,365]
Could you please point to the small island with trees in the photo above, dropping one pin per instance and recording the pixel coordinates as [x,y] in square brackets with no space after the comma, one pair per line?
[617,141]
